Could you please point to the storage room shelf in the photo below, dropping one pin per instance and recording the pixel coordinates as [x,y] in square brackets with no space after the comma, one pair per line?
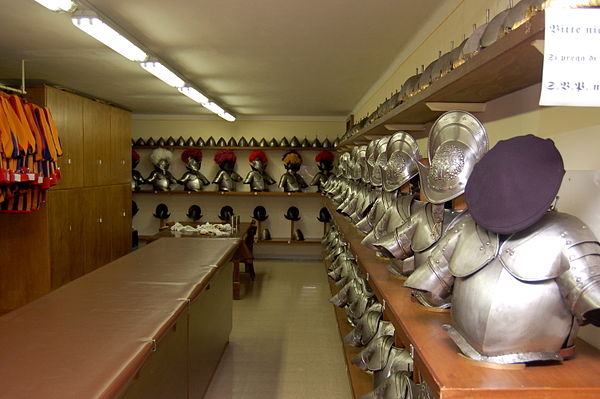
[360,381]
[508,65]
[180,147]
[285,241]
[230,193]
[436,357]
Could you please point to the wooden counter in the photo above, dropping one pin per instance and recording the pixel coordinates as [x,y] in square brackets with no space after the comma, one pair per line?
[436,356]
[151,323]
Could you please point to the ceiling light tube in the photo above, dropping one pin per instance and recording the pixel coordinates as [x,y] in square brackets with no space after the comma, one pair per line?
[57,5]
[163,73]
[214,108]
[228,117]
[100,31]
[193,94]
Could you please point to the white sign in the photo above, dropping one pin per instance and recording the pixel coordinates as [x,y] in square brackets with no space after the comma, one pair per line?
[571,74]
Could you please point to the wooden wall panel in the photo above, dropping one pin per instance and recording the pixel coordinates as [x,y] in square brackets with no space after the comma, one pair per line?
[96,143]
[120,220]
[23,252]
[65,231]
[67,111]
[120,141]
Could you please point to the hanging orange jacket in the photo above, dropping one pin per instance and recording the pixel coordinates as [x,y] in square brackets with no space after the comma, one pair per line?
[40,117]
[6,138]
[35,128]
[26,138]
[53,131]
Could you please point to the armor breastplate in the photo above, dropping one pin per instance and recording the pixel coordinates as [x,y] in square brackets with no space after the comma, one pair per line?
[194,181]
[395,215]
[512,308]
[256,181]
[291,182]
[161,181]
[319,180]
[226,181]
[373,217]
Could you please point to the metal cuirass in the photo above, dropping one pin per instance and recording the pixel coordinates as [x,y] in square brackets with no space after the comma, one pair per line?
[258,181]
[320,180]
[524,305]
[226,180]
[161,180]
[292,182]
[194,181]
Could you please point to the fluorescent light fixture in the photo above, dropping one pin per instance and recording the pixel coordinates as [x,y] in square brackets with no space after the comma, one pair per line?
[214,108]
[227,117]
[163,73]
[57,5]
[94,27]
[193,94]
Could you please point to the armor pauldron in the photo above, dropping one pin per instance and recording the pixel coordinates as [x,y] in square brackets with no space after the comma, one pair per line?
[468,246]
[539,252]
[580,285]
[428,230]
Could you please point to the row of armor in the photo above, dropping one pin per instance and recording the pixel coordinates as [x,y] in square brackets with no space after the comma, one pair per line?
[391,366]
[483,36]
[258,178]
[232,142]
[484,239]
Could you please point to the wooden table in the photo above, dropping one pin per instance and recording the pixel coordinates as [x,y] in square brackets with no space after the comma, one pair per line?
[244,252]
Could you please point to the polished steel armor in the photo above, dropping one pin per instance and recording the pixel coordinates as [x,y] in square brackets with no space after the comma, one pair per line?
[457,140]
[402,153]
[524,304]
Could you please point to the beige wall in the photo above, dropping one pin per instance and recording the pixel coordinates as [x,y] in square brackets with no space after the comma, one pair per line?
[454,25]
[157,126]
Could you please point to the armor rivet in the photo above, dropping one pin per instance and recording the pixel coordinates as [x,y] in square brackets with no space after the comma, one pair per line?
[437,261]
[488,243]
[584,227]
[481,248]
[568,242]
[563,234]
[578,279]
[456,230]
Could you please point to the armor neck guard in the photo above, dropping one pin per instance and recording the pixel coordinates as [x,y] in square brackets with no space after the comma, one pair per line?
[428,225]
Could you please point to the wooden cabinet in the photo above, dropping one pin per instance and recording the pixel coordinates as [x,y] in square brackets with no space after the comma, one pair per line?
[65,228]
[120,146]
[86,221]
[96,143]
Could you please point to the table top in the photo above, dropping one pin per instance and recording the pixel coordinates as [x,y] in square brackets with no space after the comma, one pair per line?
[88,338]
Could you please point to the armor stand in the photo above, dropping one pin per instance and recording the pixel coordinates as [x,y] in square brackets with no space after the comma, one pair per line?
[325,224]
[257,236]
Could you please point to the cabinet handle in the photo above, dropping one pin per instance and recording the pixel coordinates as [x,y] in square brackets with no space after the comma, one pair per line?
[99,220]
[99,162]
[69,161]
[122,162]
[70,228]
[124,213]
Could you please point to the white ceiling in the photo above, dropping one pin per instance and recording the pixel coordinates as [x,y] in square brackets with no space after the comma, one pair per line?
[254,58]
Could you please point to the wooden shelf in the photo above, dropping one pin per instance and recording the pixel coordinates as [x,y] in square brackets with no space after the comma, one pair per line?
[231,193]
[285,241]
[508,65]
[360,381]
[185,147]
[436,357]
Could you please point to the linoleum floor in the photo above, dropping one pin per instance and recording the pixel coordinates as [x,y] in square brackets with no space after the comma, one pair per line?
[284,343]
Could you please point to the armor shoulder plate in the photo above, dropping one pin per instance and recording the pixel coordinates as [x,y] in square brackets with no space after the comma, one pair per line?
[471,246]
[428,221]
[540,252]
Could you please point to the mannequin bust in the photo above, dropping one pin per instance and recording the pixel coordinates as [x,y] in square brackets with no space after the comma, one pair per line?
[160,178]
[136,177]
[325,161]
[291,181]
[257,178]
[193,179]
[226,178]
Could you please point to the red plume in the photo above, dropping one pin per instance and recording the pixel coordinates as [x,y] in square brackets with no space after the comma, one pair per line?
[258,154]
[134,155]
[192,153]
[224,155]
[324,156]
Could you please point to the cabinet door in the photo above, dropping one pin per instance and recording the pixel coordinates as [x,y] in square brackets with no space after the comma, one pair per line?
[120,142]
[96,227]
[65,228]
[96,143]
[120,220]
[67,111]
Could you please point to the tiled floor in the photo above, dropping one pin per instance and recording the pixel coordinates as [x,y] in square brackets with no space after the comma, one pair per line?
[285,343]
